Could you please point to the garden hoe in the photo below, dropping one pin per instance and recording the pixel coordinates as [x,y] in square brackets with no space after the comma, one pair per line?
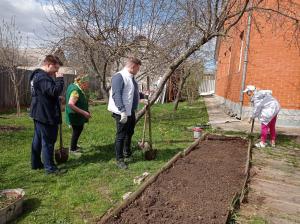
[146,146]
[61,154]
[251,132]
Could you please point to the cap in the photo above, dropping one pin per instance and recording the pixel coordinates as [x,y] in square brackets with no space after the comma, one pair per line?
[249,88]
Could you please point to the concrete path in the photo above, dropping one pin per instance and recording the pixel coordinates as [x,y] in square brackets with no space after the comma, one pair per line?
[274,195]
[220,120]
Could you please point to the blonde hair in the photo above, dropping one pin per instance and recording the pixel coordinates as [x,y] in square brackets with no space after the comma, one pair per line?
[81,77]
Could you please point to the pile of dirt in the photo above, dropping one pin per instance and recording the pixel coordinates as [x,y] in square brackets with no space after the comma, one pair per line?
[197,189]
[4,128]
[8,199]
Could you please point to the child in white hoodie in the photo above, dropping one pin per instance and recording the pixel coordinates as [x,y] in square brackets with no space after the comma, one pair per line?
[265,108]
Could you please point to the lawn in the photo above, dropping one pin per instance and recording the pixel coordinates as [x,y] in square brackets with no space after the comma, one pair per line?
[93,183]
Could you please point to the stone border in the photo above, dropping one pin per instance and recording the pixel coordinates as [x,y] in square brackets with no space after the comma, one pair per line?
[238,198]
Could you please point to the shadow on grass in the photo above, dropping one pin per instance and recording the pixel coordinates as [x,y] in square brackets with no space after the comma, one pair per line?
[105,153]
[95,154]
[30,205]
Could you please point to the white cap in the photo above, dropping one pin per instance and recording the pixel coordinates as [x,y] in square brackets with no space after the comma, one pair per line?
[249,88]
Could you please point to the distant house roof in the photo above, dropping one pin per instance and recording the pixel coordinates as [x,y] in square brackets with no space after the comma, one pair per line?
[63,69]
[35,56]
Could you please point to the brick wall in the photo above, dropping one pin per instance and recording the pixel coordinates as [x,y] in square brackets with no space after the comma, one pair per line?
[274,62]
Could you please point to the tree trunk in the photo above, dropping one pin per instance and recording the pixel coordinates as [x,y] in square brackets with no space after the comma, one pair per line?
[180,88]
[17,96]
[105,89]
[173,66]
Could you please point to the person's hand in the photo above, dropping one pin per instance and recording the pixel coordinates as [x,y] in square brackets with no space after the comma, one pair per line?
[62,99]
[59,75]
[123,119]
[87,115]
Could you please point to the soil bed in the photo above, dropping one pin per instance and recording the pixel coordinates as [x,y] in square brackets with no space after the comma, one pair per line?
[8,199]
[197,189]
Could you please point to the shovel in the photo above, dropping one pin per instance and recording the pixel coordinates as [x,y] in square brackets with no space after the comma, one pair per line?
[61,154]
[251,133]
[150,153]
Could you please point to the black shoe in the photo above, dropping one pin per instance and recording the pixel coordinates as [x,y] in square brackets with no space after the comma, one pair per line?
[38,167]
[122,165]
[57,172]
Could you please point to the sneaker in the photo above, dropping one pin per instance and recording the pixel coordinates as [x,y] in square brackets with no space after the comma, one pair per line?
[57,172]
[75,152]
[128,159]
[122,165]
[273,145]
[260,145]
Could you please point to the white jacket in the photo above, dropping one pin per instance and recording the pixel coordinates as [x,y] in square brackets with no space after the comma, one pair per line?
[265,106]
[127,95]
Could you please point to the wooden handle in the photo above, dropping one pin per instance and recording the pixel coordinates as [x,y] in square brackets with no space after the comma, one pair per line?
[149,114]
[60,128]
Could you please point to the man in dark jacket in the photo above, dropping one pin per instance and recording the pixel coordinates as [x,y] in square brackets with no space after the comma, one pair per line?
[45,112]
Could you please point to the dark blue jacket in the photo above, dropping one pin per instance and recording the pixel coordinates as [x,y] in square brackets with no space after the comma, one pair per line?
[45,93]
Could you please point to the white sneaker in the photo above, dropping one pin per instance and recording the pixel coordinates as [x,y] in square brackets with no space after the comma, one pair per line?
[260,145]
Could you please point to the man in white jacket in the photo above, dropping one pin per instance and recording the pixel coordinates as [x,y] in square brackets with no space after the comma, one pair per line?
[123,102]
[266,108]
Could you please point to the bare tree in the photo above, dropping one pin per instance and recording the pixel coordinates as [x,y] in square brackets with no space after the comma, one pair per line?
[104,31]
[208,19]
[12,55]
[189,81]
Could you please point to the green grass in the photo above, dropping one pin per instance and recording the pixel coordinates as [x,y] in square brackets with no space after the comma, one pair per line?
[93,183]
[257,220]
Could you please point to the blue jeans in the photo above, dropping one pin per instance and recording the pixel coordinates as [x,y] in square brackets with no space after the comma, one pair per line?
[43,144]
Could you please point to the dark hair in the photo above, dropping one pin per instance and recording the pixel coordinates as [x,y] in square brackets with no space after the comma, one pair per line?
[51,59]
[134,60]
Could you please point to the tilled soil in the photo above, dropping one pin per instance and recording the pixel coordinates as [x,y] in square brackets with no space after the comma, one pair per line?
[197,189]
[4,128]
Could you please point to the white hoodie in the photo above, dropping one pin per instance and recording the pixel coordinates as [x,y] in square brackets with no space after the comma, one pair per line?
[265,106]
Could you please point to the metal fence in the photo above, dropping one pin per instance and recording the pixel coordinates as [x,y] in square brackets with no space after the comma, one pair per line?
[7,95]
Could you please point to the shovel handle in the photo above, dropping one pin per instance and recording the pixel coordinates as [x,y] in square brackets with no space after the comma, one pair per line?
[252,126]
[149,113]
[144,129]
[60,128]
[60,137]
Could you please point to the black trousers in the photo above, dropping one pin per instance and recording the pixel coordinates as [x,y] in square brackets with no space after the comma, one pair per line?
[123,136]
[76,132]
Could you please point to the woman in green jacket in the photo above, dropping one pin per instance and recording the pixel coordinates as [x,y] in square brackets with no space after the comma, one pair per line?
[77,109]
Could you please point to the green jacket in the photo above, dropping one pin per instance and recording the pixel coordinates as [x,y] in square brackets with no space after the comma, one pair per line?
[72,117]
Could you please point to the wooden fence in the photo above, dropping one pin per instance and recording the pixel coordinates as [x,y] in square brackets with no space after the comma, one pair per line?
[7,96]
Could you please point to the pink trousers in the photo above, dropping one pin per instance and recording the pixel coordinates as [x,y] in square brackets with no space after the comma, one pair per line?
[266,128]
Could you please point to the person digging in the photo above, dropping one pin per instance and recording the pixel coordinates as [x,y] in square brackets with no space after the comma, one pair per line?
[123,102]
[46,86]
[77,109]
[266,108]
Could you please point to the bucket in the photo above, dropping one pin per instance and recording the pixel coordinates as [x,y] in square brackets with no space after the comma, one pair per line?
[197,132]
[14,207]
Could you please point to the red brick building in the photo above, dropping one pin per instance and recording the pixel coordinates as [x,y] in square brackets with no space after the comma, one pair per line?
[272,61]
